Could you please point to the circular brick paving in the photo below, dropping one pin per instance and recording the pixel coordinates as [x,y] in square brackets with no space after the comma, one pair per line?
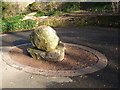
[79,60]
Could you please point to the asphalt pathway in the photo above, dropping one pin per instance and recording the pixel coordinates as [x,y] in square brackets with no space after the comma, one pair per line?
[105,40]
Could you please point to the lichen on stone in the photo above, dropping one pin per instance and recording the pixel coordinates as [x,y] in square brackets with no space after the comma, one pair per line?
[46,44]
[44,38]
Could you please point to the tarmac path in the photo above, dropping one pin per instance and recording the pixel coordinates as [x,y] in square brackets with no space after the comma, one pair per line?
[105,40]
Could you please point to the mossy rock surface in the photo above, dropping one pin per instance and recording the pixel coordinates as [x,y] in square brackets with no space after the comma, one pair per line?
[44,38]
[54,55]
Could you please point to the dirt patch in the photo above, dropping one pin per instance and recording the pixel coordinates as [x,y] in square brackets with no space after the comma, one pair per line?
[75,58]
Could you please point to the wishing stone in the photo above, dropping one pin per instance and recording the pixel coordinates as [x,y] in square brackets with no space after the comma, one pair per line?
[44,38]
[46,44]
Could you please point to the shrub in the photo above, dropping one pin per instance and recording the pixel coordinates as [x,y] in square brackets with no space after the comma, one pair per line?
[53,5]
[37,6]
[53,12]
[10,9]
[40,13]
[53,8]
[43,6]
[70,6]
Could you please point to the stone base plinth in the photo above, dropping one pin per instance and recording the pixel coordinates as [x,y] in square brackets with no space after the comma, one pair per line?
[54,55]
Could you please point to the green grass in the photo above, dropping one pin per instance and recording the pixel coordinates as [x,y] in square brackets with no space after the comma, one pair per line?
[15,23]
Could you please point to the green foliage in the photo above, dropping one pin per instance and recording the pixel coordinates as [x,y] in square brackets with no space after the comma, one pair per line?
[101,9]
[16,23]
[98,7]
[52,8]
[36,6]
[40,13]
[3,26]
[15,18]
[43,6]
[54,12]
[12,22]
[68,6]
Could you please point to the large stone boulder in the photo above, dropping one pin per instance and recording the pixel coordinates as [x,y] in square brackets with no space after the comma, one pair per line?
[46,44]
[54,55]
[44,38]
